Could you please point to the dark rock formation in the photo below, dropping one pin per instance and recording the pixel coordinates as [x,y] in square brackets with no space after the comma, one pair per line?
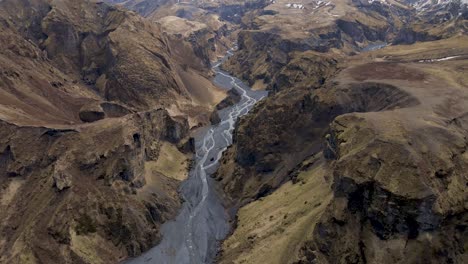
[214,118]
[73,174]
[232,98]
[393,194]
[92,113]
[74,192]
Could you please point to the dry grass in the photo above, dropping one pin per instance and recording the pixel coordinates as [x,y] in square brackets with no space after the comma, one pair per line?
[177,25]
[273,227]
[422,50]
[202,91]
[259,85]
[163,175]
[452,72]
[9,192]
[89,246]
[171,163]
[410,62]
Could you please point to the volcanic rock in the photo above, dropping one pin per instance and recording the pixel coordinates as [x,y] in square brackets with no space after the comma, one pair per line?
[92,113]
[393,160]
[232,98]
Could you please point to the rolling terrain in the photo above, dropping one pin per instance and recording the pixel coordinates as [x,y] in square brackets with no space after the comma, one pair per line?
[95,115]
[116,131]
[359,156]
[378,171]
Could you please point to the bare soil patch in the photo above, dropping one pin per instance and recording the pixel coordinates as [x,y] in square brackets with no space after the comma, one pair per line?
[385,70]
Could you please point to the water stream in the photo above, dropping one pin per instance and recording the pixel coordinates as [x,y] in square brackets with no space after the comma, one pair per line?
[194,235]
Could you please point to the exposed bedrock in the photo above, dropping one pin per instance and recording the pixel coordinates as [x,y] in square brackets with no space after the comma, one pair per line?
[233,97]
[84,190]
[278,62]
[290,126]
[394,199]
[120,55]
[91,113]
[398,184]
[266,58]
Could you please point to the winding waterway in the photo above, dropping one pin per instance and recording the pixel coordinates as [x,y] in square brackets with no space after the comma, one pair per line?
[194,235]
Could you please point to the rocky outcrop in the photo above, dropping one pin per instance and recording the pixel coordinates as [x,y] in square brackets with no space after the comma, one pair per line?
[233,97]
[93,179]
[84,91]
[207,39]
[269,42]
[214,118]
[409,36]
[265,58]
[402,196]
[205,27]
[91,113]
[114,110]
[397,178]
[264,151]
[122,56]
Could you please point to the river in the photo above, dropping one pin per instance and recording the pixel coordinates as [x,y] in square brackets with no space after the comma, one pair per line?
[193,237]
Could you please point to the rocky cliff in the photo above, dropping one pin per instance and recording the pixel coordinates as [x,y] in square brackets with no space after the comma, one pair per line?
[358,156]
[208,26]
[107,49]
[95,115]
[85,194]
[352,159]
[273,35]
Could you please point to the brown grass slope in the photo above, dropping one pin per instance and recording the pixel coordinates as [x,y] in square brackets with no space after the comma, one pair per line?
[93,105]
[393,131]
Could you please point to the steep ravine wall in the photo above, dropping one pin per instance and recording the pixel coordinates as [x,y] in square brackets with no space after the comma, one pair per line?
[91,180]
[379,202]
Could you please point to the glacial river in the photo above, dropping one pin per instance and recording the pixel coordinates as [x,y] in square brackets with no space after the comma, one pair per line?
[193,237]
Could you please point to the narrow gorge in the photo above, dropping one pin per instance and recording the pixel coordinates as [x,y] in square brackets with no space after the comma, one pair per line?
[194,236]
[335,131]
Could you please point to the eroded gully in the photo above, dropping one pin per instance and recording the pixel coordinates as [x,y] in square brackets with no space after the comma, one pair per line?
[194,235]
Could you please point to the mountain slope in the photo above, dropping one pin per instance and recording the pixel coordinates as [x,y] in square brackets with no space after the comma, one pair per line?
[358,156]
[385,137]
[93,104]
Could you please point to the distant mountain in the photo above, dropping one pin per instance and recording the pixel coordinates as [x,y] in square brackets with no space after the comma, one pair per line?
[144,7]
[358,155]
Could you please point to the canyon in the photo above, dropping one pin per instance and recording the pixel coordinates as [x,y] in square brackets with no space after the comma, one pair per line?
[129,136]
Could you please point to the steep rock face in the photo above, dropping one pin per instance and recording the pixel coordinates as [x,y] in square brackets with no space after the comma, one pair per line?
[144,7]
[233,97]
[264,153]
[206,40]
[90,203]
[80,52]
[272,35]
[61,56]
[272,62]
[33,90]
[95,192]
[118,54]
[394,137]
[276,35]
[272,142]
[205,26]
[266,60]
[389,194]
[102,42]
[92,113]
